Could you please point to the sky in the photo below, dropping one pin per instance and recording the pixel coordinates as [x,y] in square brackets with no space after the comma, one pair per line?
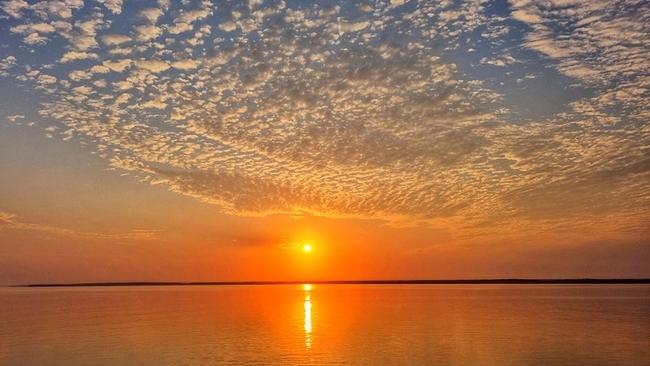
[210,140]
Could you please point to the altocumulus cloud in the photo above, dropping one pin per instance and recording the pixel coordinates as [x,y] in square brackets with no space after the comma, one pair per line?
[361,109]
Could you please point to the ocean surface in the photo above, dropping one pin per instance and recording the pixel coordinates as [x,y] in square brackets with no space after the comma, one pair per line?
[327,325]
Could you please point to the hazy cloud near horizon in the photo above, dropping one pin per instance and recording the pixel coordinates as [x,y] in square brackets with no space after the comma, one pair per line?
[479,115]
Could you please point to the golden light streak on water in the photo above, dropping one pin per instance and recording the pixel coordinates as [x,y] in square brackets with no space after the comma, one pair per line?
[307,306]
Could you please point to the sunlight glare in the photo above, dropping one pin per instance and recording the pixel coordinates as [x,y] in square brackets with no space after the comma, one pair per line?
[307,307]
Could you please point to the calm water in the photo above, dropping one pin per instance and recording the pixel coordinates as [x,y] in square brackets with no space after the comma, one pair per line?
[327,325]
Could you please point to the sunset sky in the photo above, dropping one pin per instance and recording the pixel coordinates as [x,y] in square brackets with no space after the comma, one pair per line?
[210,140]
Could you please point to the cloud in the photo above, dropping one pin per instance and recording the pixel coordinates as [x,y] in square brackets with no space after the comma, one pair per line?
[228,26]
[114,6]
[147,32]
[46,79]
[115,39]
[33,27]
[151,14]
[34,32]
[6,65]
[186,64]
[99,69]
[155,104]
[352,26]
[527,16]
[183,22]
[78,75]
[118,65]
[503,60]
[377,112]
[13,119]
[190,16]
[180,28]
[49,11]
[594,41]
[10,221]
[154,66]
[34,39]
[6,218]
[14,7]
[77,55]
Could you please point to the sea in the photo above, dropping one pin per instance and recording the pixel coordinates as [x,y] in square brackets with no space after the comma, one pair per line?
[310,324]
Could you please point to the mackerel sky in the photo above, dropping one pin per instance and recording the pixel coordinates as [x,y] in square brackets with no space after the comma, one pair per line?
[490,121]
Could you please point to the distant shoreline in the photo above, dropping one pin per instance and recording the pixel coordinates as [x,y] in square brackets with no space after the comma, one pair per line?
[504,281]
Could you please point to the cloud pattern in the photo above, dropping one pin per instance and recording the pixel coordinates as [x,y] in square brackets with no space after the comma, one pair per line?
[9,221]
[377,109]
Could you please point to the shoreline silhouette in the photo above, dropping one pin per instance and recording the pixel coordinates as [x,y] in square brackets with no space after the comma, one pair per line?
[502,281]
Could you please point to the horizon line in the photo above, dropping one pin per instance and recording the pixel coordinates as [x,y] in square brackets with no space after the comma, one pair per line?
[504,281]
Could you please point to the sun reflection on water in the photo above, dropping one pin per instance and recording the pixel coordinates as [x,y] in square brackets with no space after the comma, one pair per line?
[307,306]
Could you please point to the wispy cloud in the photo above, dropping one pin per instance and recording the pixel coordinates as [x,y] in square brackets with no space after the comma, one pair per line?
[10,221]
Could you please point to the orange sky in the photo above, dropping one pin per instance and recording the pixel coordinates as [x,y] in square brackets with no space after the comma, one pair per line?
[106,227]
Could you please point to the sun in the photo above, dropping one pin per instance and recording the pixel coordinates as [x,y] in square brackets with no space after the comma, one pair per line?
[306,248]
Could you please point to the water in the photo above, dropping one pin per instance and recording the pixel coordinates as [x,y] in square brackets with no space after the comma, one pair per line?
[327,325]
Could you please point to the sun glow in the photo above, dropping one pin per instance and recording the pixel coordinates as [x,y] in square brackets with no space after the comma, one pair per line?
[307,248]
